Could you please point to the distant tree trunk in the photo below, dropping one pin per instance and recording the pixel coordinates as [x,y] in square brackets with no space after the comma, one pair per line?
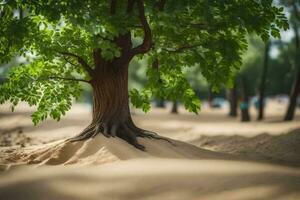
[21,14]
[160,103]
[233,101]
[261,97]
[210,96]
[174,107]
[293,99]
[296,87]
[244,105]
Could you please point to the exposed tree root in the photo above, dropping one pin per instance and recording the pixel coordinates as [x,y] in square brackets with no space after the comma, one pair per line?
[126,131]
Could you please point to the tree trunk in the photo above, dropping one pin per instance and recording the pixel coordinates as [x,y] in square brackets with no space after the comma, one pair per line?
[244,106]
[110,97]
[232,97]
[296,87]
[263,83]
[160,103]
[210,96]
[111,113]
[174,107]
[293,99]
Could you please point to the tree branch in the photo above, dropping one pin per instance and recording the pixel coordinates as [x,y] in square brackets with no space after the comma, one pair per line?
[71,63]
[21,13]
[80,61]
[7,49]
[181,49]
[296,11]
[98,61]
[159,5]
[130,5]
[65,78]
[198,25]
[3,79]
[147,42]
[297,39]
[113,7]
[103,38]
[155,64]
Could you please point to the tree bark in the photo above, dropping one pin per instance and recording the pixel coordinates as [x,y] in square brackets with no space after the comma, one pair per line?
[296,87]
[232,96]
[244,106]
[174,107]
[263,83]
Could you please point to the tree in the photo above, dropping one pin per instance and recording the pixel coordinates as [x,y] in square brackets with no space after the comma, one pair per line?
[233,100]
[174,109]
[247,78]
[282,72]
[296,87]
[263,83]
[91,42]
[244,104]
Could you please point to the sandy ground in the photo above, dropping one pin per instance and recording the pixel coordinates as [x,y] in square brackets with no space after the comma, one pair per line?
[155,179]
[211,156]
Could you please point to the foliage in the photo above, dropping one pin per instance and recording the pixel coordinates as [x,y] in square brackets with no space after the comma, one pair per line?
[52,97]
[282,70]
[252,64]
[280,74]
[137,74]
[209,34]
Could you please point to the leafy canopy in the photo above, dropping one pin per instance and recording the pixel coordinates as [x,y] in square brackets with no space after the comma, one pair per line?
[58,39]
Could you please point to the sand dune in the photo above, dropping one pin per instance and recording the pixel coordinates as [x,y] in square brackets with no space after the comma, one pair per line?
[280,149]
[101,149]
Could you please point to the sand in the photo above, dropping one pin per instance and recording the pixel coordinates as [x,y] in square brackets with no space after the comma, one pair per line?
[101,150]
[168,179]
[210,156]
